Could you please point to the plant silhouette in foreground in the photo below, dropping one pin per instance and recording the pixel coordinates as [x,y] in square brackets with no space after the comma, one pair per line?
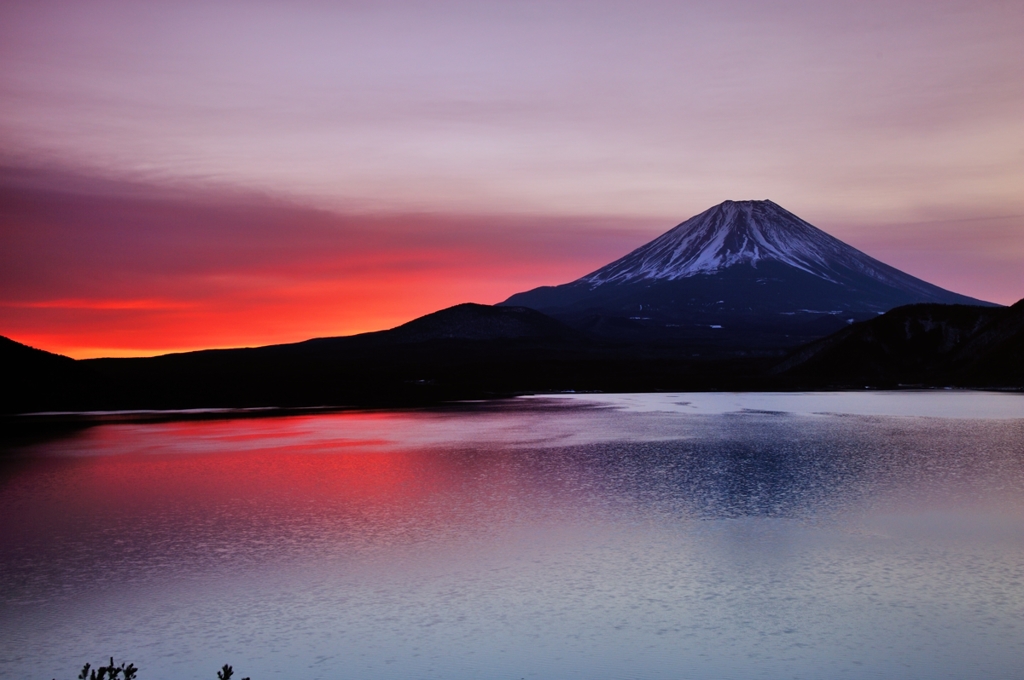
[129,671]
[111,672]
[226,673]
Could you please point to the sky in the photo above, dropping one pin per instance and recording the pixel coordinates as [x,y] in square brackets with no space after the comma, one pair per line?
[177,175]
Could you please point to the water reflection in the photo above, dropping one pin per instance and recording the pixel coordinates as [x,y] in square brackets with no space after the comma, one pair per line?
[527,538]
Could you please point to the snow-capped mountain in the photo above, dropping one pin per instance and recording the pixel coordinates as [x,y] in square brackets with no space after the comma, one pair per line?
[748,233]
[750,267]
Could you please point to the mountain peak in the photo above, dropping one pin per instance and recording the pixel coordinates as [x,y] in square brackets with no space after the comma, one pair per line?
[737,233]
[745,268]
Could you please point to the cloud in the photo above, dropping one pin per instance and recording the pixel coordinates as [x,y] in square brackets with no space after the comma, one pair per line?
[100,266]
[866,108]
[278,170]
[94,266]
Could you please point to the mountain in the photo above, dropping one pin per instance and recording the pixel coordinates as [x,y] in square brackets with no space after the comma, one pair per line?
[34,379]
[927,345]
[468,322]
[743,274]
[464,352]
[468,351]
[475,352]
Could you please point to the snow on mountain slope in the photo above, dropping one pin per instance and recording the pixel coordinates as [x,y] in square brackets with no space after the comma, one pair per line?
[747,272]
[747,232]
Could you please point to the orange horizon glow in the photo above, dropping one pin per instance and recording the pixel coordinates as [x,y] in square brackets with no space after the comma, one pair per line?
[185,175]
[112,273]
[370,303]
[126,273]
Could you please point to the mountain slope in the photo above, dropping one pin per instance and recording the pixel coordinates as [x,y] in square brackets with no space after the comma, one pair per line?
[466,322]
[743,272]
[33,379]
[925,344]
[474,351]
[466,351]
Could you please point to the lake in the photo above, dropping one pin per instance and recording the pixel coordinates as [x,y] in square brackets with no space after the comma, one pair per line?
[832,535]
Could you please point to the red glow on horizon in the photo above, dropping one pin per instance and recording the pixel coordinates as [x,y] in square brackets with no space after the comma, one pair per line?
[113,273]
[159,160]
[121,270]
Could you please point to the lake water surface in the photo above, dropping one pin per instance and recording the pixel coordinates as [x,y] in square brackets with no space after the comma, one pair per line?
[837,535]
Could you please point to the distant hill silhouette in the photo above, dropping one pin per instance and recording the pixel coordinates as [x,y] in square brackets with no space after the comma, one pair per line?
[476,351]
[468,351]
[928,345]
[34,380]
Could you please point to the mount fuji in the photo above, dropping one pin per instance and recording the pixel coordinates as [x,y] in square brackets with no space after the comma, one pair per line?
[741,274]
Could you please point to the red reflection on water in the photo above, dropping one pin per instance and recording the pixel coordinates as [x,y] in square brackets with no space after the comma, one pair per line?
[238,484]
[281,476]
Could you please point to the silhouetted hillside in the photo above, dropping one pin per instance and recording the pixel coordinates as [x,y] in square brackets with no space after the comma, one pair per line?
[34,380]
[926,344]
[475,352]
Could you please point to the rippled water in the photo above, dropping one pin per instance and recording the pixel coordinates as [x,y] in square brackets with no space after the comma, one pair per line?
[587,536]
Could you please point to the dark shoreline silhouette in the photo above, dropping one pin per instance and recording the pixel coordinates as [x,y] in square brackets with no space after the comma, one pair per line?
[745,296]
[482,352]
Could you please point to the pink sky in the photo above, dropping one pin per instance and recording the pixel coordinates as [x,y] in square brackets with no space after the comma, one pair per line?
[180,175]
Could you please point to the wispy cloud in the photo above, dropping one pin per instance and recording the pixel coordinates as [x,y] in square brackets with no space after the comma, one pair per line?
[92,266]
[287,169]
[863,109]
